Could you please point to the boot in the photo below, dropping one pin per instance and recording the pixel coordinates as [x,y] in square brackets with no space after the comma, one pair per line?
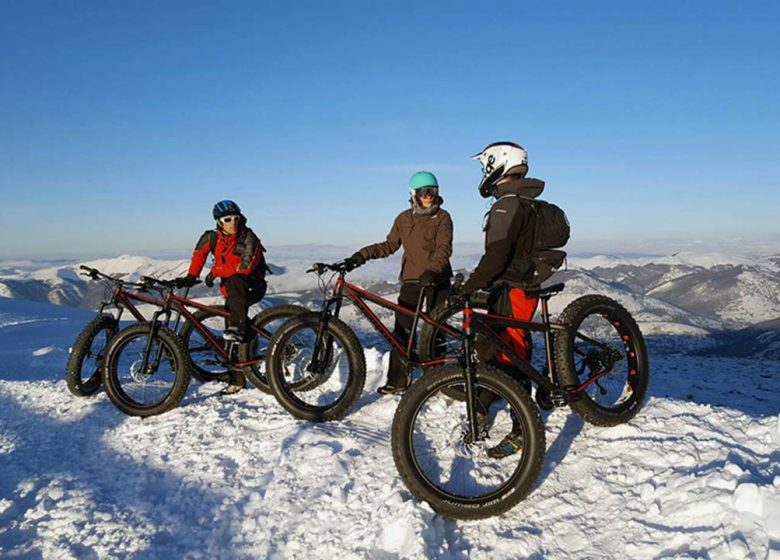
[236,383]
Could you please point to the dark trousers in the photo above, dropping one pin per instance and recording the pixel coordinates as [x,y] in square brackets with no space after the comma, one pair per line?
[396,373]
[242,291]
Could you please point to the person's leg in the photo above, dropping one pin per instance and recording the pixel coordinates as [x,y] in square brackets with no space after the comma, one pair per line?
[522,308]
[237,288]
[396,372]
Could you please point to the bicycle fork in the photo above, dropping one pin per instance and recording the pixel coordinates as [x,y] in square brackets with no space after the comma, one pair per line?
[146,369]
[471,375]
[323,344]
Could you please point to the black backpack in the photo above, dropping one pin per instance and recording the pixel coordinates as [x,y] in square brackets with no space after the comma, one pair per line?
[551,231]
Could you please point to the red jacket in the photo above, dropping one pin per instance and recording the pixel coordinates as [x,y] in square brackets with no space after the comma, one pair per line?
[241,253]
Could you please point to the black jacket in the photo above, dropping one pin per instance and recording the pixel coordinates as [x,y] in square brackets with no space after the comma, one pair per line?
[508,237]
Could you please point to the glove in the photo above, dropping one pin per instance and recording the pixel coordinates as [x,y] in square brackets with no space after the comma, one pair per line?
[209,281]
[457,297]
[427,278]
[354,261]
[188,281]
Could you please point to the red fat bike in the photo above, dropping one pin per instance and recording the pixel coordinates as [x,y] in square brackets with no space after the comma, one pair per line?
[468,438]
[146,368]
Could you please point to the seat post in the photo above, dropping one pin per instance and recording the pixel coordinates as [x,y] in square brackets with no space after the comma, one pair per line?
[547,337]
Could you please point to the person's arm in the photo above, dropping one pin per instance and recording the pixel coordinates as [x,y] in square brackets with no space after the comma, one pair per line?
[386,247]
[251,254]
[201,253]
[443,251]
[507,219]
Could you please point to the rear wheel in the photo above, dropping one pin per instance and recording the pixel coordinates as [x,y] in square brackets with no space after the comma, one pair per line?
[161,385]
[318,388]
[264,325]
[458,475]
[206,364]
[85,364]
[603,354]
[439,342]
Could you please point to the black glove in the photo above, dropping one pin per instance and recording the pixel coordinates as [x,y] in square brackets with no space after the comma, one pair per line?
[427,278]
[209,281]
[457,297]
[188,281]
[354,261]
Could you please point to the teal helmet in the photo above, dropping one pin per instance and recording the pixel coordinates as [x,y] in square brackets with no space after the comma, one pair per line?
[423,179]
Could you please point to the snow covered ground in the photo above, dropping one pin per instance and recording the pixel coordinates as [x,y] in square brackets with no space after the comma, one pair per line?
[694,475]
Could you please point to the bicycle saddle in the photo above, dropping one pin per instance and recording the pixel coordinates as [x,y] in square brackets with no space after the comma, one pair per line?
[546,292]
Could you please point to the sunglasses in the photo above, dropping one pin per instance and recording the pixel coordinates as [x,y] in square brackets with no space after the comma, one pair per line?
[228,219]
[427,191]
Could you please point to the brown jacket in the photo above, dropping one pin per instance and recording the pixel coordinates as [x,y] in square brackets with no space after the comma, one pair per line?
[427,243]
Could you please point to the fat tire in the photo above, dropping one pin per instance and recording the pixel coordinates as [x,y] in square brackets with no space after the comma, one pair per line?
[76,384]
[178,352]
[187,330]
[355,357]
[403,427]
[246,351]
[573,316]
[426,343]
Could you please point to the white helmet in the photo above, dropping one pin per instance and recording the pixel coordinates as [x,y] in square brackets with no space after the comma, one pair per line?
[499,160]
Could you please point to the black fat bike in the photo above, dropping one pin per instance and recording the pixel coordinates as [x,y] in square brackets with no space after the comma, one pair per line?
[468,438]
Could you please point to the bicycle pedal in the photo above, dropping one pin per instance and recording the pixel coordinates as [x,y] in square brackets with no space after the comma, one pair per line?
[560,397]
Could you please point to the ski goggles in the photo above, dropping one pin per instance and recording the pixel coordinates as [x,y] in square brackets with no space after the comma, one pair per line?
[228,219]
[427,191]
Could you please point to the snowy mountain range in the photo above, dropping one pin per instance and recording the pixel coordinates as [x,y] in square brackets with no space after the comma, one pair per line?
[706,302]
[696,474]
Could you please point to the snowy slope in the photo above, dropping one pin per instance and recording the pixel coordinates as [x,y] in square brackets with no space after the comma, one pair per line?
[695,475]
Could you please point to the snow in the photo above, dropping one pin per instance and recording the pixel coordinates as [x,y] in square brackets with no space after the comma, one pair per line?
[694,475]
[682,258]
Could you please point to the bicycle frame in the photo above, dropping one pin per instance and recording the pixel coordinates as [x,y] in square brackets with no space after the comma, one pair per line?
[179,304]
[476,322]
[346,290]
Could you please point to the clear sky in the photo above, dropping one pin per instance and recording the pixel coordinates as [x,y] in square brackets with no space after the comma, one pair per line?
[121,123]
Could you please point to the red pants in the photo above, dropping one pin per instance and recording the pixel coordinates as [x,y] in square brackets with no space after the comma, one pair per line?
[522,308]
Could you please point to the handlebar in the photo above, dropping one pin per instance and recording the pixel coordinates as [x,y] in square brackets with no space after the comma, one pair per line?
[146,282]
[172,284]
[321,268]
[95,274]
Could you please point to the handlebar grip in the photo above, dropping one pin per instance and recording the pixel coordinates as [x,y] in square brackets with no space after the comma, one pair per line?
[458,282]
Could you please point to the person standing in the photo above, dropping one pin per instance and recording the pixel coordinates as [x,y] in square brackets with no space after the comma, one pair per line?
[425,233]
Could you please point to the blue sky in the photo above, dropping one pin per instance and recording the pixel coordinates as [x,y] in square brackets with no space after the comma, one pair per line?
[122,123]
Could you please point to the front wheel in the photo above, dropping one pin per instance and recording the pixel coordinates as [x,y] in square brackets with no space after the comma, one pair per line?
[602,358]
[152,390]
[320,388]
[85,363]
[459,475]
[255,352]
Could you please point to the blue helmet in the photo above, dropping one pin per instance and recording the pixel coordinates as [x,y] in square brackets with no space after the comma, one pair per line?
[225,208]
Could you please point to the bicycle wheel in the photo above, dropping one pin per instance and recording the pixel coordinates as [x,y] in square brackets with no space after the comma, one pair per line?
[146,393]
[264,325]
[206,364]
[85,362]
[435,342]
[331,391]
[439,461]
[603,340]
